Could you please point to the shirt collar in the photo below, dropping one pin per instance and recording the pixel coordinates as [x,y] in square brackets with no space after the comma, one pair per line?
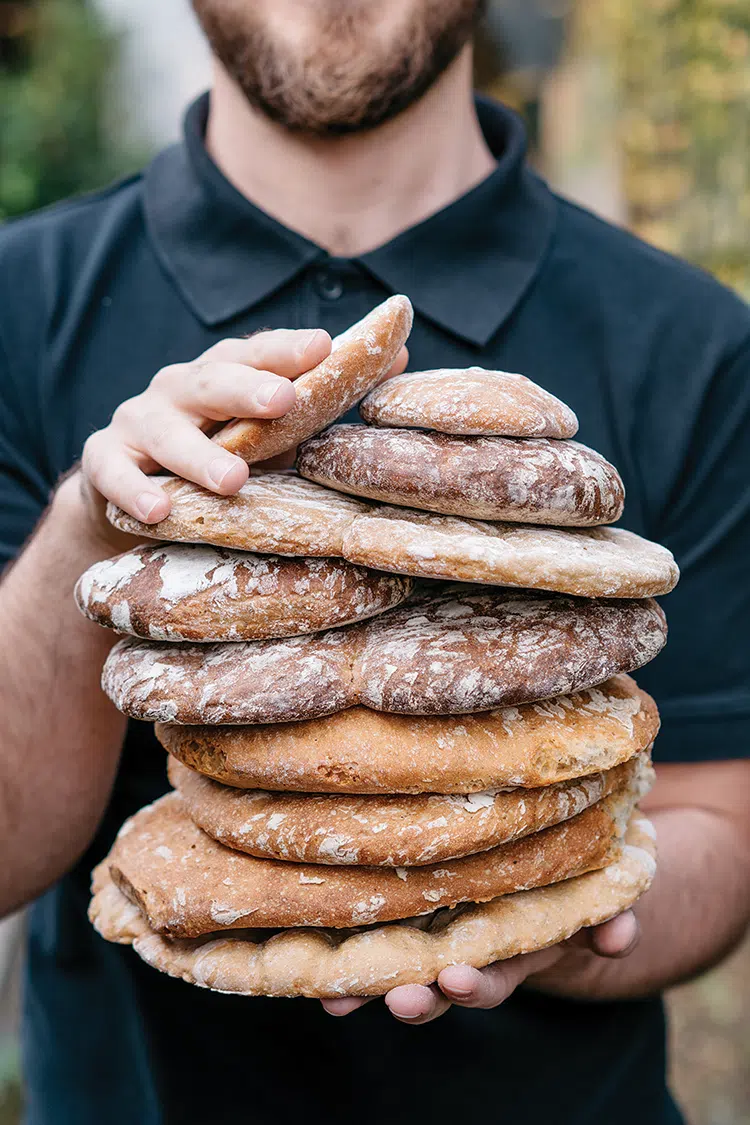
[465,268]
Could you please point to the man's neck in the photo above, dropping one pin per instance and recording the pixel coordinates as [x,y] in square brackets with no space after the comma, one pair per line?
[351,194]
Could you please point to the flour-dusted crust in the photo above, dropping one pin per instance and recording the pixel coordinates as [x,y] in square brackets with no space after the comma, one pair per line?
[278,513]
[470,401]
[456,652]
[181,592]
[370,961]
[598,562]
[389,831]
[187,884]
[362,751]
[521,480]
[360,358]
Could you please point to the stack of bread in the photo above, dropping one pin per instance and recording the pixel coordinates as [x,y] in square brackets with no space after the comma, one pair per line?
[393,688]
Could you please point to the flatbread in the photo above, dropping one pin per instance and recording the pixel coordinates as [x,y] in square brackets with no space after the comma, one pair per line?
[277,513]
[595,562]
[455,652]
[389,831]
[364,751]
[469,401]
[187,884]
[183,592]
[360,358]
[521,480]
[370,961]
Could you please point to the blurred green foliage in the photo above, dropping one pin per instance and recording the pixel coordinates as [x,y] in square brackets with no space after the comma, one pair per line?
[53,136]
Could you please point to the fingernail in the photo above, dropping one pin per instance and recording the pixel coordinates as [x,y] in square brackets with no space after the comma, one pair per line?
[459,993]
[310,339]
[267,391]
[218,470]
[146,503]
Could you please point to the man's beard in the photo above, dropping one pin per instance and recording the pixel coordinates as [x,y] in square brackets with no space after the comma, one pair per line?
[347,76]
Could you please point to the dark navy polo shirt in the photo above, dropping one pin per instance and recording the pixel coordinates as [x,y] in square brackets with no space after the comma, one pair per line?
[654,356]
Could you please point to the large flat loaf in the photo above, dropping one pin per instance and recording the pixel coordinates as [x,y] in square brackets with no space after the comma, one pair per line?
[470,401]
[186,884]
[176,592]
[363,751]
[451,653]
[369,961]
[388,831]
[359,359]
[597,562]
[279,513]
[287,515]
[521,480]
[372,960]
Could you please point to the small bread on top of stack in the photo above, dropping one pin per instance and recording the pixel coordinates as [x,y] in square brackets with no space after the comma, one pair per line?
[394,688]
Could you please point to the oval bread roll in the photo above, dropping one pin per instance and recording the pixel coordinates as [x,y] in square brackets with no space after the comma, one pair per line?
[470,401]
[452,653]
[533,480]
[360,358]
[387,831]
[362,751]
[176,592]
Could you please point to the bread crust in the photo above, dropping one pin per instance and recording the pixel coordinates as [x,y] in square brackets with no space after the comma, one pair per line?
[471,400]
[176,592]
[366,752]
[360,358]
[387,831]
[519,480]
[456,652]
[370,961]
[186,884]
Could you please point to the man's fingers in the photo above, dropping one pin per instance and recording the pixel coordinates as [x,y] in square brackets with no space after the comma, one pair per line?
[118,478]
[416,1003]
[345,1005]
[175,444]
[616,938]
[400,364]
[288,352]
[486,988]
[220,390]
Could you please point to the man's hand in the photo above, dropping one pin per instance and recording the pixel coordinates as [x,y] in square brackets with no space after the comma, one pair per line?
[164,427]
[465,987]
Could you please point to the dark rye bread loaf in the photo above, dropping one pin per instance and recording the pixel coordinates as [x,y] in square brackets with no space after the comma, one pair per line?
[187,884]
[469,401]
[456,652]
[360,358]
[362,751]
[176,592]
[532,480]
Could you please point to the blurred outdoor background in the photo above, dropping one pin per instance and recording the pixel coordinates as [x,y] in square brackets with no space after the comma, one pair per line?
[639,109]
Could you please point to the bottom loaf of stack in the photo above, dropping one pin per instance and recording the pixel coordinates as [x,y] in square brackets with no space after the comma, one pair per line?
[343,856]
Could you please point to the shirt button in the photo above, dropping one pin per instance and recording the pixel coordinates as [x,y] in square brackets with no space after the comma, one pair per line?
[329,286]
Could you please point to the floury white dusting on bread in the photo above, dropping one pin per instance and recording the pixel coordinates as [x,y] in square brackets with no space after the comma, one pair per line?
[350,752]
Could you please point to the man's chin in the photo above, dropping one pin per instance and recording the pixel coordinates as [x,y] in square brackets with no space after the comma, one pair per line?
[338,79]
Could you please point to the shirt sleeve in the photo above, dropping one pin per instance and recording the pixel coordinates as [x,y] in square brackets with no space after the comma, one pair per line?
[24,479]
[701,680]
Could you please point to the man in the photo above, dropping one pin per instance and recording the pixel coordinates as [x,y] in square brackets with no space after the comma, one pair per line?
[342,158]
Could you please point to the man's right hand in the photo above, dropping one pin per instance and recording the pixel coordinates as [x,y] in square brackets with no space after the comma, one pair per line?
[164,427]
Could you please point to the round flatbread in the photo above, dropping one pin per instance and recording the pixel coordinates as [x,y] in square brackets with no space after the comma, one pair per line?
[469,401]
[452,653]
[597,562]
[387,831]
[365,752]
[277,513]
[371,961]
[530,481]
[187,884]
[177,592]
[360,358]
